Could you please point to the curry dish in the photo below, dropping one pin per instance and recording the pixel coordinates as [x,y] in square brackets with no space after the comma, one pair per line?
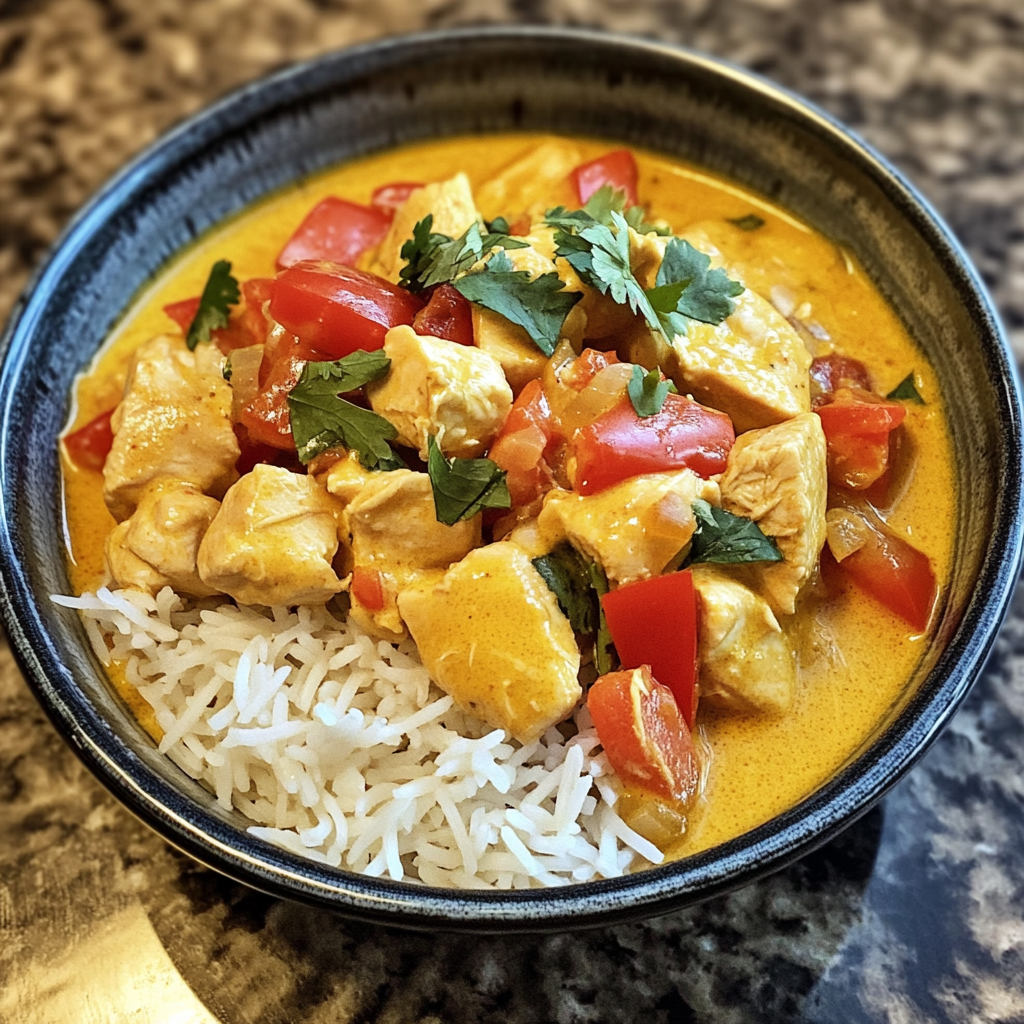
[592,428]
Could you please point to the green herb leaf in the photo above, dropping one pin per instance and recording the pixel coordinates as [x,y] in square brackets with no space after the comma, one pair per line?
[499,225]
[540,305]
[906,390]
[647,391]
[433,258]
[464,487]
[748,222]
[321,419]
[686,288]
[728,539]
[567,574]
[599,208]
[605,655]
[219,295]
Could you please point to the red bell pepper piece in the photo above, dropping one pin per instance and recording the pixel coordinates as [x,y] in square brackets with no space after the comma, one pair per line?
[643,734]
[338,309]
[335,230]
[619,444]
[368,588]
[525,444]
[89,446]
[654,622]
[390,197]
[447,315]
[617,168]
[857,425]
[586,367]
[832,372]
[183,312]
[247,327]
[893,572]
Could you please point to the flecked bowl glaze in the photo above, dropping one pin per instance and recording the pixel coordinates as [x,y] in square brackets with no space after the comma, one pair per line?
[371,98]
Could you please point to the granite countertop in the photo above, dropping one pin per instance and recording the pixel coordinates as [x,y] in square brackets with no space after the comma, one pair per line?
[914,914]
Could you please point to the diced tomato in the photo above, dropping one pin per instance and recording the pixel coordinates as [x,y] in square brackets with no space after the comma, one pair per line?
[619,444]
[654,622]
[447,315]
[894,572]
[368,588]
[255,453]
[183,312]
[586,367]
[644,735]
[336,230]
[857,426]
[248,327]
[390,197]
[832,372]
[267,417]
[617,168]
[89,446]
[339,309]
[524,445]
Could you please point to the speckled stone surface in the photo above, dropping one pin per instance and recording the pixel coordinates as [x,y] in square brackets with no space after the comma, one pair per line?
[915,914]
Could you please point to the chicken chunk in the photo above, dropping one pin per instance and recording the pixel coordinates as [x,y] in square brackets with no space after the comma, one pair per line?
[746,664]
[534,181]
[157,545]
[273,540]
[777,476]
[493,637]
[455,392]
[451,205]
[634,529]
[174,420]
[347,477]
[395,533]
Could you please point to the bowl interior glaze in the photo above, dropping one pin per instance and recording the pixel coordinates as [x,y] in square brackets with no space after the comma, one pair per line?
[373,98]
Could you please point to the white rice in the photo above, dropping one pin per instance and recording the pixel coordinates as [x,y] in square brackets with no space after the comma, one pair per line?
[341,749]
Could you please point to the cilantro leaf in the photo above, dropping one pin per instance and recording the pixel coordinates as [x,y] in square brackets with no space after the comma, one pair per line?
[906,390]
[728,539]
[748,222]
[432,258]
[219,295]
[540,305]
[599,208]
[704,294]
[647,391]
[578,584]
[605,655]
[320,419]
[499,225]
[567,574]
[464,487]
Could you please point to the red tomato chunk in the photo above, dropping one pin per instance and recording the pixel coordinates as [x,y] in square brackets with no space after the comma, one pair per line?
[654,622]
[447,315]
[617,168]
[857,425]
[619,444]
[525,444]
[89,446]
[390,197]
[338,309]
[644,735]
[336,230]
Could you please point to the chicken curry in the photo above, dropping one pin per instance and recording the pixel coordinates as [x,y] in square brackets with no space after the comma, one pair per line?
[588,425]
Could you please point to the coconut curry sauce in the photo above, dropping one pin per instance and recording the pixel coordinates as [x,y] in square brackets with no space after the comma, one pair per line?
[854,656]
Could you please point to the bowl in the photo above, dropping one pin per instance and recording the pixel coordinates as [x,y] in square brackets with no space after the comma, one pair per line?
[374,97]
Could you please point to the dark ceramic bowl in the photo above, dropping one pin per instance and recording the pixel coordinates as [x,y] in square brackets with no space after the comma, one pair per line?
[375,97]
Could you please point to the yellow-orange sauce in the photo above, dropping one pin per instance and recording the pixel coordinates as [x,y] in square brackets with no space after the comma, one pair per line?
[855,657]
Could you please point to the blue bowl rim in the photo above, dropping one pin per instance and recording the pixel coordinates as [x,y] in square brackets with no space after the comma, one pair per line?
[851,792]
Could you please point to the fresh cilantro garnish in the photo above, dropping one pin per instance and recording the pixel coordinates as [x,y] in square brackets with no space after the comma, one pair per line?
[578,585]
[464,487]
[748,222]
[219,295]
[906,390]
[432,258]
[647,391]
[499,225]
[539,304]
[685,288]
[605,655]
[726,538]
[321,419]
[599,208]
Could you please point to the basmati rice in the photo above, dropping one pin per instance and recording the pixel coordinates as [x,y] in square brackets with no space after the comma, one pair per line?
[341,749]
